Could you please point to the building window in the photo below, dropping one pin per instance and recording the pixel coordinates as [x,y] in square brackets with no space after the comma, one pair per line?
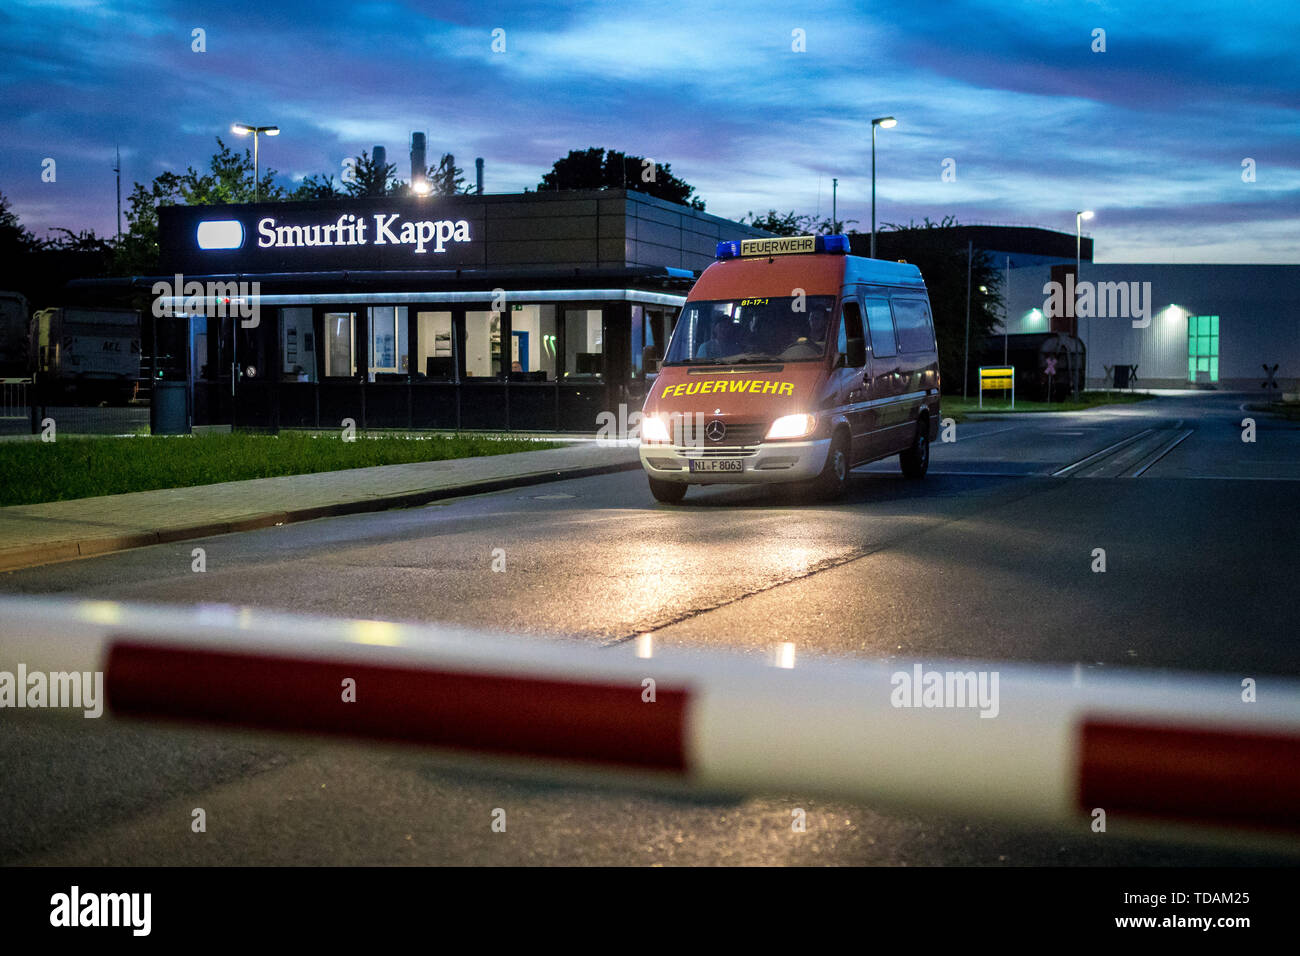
[583,349]
[647,331]
[340,335]
[436,357]
[297,345]
[1202,348]
[388,332]
[482,344]
[203,369]
[532,329]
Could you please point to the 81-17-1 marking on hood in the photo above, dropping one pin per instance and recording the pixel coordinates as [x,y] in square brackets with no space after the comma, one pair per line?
[748,387]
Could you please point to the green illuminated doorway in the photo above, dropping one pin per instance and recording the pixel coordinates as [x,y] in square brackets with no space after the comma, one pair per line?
[1202,348]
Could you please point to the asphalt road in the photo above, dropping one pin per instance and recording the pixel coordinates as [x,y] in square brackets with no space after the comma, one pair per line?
[990,558]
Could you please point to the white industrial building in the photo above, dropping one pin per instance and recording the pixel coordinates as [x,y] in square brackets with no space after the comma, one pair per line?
[1180,325]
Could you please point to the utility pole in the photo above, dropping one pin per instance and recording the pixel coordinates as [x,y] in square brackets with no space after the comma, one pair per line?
[1006,311]
[118,170]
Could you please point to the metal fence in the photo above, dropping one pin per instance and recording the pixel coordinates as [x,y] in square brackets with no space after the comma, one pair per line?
[13,397]
[24,410]
[91,419]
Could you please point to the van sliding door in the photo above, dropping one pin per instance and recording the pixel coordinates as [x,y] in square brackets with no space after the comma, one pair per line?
[887,381]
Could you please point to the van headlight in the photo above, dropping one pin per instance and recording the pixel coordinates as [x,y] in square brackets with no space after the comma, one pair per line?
[792,426]
[653,430]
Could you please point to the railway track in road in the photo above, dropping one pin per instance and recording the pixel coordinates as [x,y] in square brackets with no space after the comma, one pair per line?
[1131,456]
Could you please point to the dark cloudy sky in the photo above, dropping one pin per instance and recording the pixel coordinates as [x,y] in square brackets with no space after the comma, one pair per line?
[1151,133]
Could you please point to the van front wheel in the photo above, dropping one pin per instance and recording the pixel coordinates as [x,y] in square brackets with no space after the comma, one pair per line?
[834,479]
[669,492]
[916,460]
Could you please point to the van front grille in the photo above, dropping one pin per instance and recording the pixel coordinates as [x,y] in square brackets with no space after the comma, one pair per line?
[737,434]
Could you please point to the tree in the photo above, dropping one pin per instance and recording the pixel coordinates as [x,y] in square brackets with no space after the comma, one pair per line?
[581,169]
[316,187]
[782,224]
[228,179]
[84,241]
[445,179]
[39,268]
[14,236]
[940,253]
[448,179]
[597,168]
[372,178]
[793,224]
[137,250]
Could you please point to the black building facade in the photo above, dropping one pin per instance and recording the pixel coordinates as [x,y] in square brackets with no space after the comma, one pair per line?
[530,311]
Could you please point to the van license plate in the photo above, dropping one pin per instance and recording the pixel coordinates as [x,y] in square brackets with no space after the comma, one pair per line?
[718,464]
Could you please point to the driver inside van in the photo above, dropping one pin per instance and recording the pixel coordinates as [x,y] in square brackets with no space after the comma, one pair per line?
[722,338]
[811,344]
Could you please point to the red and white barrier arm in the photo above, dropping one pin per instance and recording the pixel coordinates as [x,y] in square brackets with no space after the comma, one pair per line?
[1029,744]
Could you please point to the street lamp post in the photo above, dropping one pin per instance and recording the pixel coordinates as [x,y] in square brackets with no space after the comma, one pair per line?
[1006,313]
[888,122]
[243,129]
[1079,217]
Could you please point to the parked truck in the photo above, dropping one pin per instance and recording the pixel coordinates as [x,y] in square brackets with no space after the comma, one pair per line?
[85,355]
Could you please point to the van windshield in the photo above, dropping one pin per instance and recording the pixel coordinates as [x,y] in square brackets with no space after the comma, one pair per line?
[741,331]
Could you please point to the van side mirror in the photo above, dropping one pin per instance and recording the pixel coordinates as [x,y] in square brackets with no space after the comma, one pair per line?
[856,354]
[650,359]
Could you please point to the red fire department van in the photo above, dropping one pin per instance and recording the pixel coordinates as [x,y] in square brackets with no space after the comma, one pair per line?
[793,361]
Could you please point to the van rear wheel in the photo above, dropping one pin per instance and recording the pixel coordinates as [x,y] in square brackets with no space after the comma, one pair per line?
[669,492]
[916,460]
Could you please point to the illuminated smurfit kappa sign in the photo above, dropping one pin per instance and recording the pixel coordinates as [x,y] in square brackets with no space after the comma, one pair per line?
[350,230]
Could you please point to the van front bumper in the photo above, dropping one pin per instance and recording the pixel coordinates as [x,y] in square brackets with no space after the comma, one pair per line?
[766,462]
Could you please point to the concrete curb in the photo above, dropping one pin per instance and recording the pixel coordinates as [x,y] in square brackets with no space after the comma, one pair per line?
[15,559]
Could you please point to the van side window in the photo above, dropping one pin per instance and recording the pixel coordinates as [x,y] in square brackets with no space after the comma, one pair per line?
[850,327]
[882,328]
[912,319]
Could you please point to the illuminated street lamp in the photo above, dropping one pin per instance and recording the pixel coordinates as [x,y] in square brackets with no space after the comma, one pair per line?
[242,129]
[888,122]
[1079,217]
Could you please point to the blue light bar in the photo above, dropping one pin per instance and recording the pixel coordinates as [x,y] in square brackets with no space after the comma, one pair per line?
[728,249]
[838,244]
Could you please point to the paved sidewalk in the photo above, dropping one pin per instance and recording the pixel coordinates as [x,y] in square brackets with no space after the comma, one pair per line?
[62,530]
